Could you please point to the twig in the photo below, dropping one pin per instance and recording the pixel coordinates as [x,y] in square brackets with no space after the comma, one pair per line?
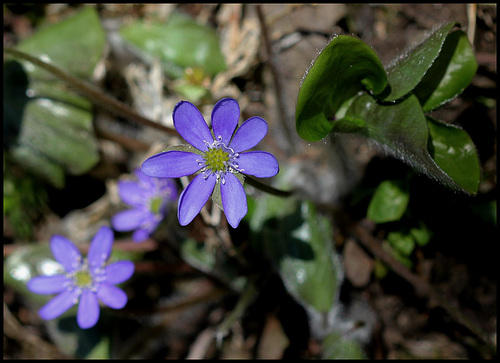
[267,188]
[93,93]
[282,110]
[26,338]
[375,247]
[237,313]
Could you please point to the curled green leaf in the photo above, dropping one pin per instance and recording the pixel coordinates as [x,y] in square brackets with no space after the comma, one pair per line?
[454,152]
[346,66]
[450,73]
[442,152]
[409,70]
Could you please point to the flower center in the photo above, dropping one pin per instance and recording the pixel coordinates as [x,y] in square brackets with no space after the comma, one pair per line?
[83,278]
[155,205]
[218,159]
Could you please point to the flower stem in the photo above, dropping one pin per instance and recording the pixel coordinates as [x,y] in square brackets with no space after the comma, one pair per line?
[267,188]
[93,93]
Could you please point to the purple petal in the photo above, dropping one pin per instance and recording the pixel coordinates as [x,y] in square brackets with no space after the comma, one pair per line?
[48,284]
[140,235]
[131,193]
[88,310]
[127,220]
[119,271]
[194,197]
[65,252]
[234,199]
[249,134]
[191,125]
[171,164]
[141,177]
[59,304]
[225,116]
[258,163]
[112,296]
[100,247]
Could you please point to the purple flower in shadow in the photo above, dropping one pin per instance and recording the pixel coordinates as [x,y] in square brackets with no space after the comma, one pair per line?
[218,158]
[86,281]
[149,198]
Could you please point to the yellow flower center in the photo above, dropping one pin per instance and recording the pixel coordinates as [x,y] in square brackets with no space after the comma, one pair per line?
[216,159]
[83,278]
[156,205]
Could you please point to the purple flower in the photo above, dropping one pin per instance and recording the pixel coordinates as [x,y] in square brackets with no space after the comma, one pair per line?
[86,281]
[149,199]
[218,157]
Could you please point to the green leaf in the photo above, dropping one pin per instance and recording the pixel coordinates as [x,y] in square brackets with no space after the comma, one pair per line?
[336,346]
[298,240]
[389,202]
[402,242]
[346,66]
[453,150]
[179,43]
[75,44]
[48,127]
[450,73]
[402,129]
[421,234]
[407,73]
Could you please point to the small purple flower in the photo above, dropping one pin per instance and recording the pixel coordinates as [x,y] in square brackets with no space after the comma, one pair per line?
[86,281]
[218,157]
[149,198]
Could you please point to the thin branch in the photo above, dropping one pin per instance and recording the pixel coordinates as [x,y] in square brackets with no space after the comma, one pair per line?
[267,188]
[94,94]
[282,109]
[375,247]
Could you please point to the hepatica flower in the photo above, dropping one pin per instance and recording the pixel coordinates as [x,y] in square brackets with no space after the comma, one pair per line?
[217,157]
[86,281]
[149,198]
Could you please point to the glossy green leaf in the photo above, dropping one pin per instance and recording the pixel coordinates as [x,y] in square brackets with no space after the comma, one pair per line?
[454,152]
[409,70]
[389,202]
[450,73]
[402,129]
[180,43]
[345,67]
[298,240]
[48,127]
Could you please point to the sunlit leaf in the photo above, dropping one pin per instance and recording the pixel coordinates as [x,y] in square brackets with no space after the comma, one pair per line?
[179,43]
[346,66]
[75,44]
[48,127]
